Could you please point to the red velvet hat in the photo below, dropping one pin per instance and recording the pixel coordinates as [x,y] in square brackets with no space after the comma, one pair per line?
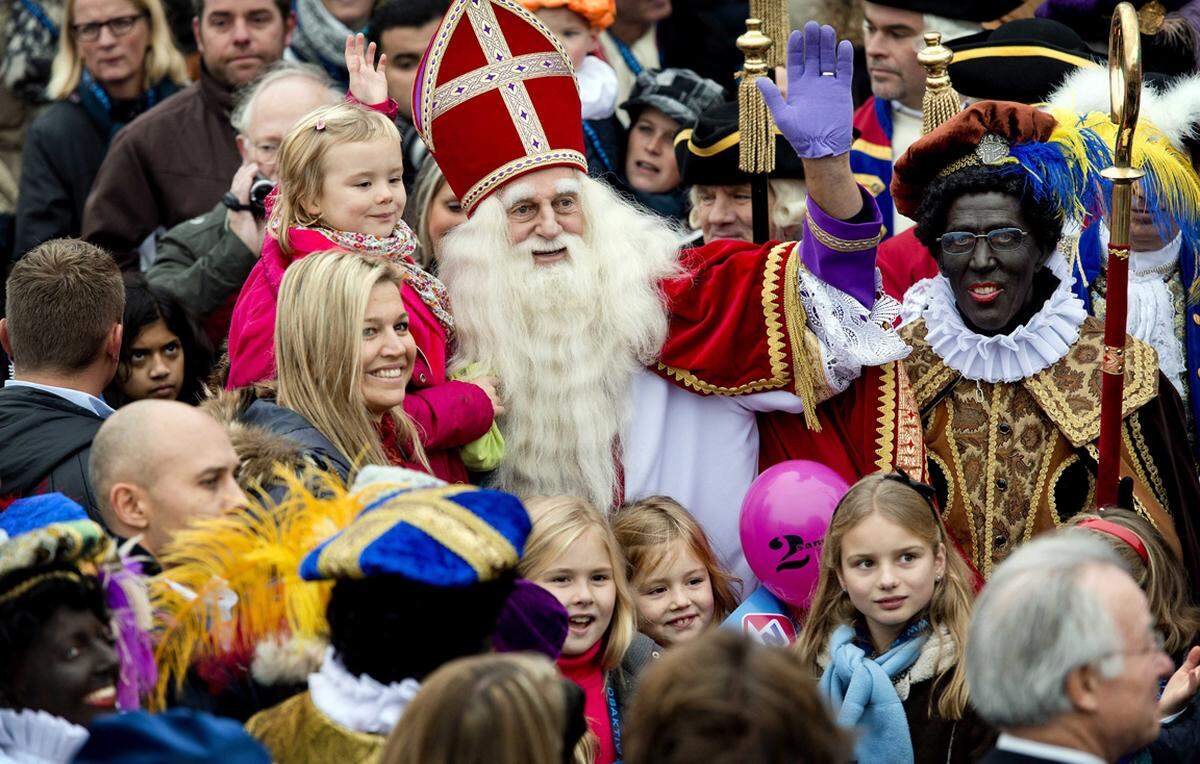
[495,98]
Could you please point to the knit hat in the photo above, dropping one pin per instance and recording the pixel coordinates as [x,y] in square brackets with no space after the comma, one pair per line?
[681,94]
[532,620]
[599,14]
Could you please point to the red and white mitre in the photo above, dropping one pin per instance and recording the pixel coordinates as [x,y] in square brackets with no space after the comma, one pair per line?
[495,98]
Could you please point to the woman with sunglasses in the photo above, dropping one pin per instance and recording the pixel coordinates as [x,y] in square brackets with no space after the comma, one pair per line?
[115,60]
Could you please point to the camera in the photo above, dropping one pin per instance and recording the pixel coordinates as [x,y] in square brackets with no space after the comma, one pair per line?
[260,189]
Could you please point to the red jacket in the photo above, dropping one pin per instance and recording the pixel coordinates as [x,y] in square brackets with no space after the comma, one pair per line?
[448,414]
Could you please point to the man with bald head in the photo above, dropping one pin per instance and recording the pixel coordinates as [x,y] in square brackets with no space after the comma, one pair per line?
[159,465]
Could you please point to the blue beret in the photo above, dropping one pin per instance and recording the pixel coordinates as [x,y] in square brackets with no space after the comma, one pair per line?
[48,529]
[180,736]
[449,536]
[33,512]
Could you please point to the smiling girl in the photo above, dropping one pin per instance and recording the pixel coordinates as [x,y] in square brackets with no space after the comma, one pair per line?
[341,187]
[679,588]
[572,553]
[887,628]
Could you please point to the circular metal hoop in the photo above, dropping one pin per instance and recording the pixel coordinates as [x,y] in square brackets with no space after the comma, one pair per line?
[1124,79]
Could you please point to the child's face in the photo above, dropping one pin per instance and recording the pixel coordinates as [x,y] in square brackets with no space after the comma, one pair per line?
[582,580]
[650,159]
[363,189]
[675,598]
[156,364]
[889,574]
[572,30]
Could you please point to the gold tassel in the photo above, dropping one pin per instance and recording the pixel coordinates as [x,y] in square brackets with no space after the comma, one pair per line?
[940,102]
[756,146]
[775,25]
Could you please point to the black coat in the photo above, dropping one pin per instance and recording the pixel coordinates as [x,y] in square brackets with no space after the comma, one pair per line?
[63,151]
[315,448]
[45,444]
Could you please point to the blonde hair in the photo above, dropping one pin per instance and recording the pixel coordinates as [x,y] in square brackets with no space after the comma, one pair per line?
[493,709]
[318,347]
[428,183]
[1161,577]
[558,522]
[163,61]
[301,160]
[950,608]
[787,213]
[646,529]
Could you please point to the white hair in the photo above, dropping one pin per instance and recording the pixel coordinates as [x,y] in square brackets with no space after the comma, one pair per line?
[951,29]
[1035,623]
[787,213]
[278,72]
[564,340]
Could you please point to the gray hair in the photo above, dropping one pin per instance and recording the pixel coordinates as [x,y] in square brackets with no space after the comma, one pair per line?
[1034,624]
[277,72]
[787,213]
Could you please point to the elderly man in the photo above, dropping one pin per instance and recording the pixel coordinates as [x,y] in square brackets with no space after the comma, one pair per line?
[890,120]
[157,466]
[628,370]
[1063,657]
[175,161]
[707,155]
[203,262]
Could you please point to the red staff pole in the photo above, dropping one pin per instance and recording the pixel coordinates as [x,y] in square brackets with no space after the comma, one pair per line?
[1125,88]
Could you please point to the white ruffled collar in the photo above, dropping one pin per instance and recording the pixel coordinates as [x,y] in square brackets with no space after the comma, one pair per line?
[1038,344]
[359,702]
[597,88]
[37,737]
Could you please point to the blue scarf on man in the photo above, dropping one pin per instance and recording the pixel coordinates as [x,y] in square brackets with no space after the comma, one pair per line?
[862,695]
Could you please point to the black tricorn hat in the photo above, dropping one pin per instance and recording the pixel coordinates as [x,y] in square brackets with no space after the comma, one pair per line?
[1022,61]
[707,153]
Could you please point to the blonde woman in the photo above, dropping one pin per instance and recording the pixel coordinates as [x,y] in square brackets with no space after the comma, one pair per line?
[345,358]
[115,60]
[572,553]
[492,709]
[432,212]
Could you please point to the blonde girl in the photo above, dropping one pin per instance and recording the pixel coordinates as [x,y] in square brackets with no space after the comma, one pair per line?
[887,628]
[679,588]
[341,187]
[572,553]
[345,356]
[491,709]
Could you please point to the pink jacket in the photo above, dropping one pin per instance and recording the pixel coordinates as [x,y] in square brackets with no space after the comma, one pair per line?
[448,414]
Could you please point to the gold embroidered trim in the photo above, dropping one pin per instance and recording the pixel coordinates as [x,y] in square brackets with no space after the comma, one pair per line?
[989,508]
[804,380]
[775,339]
[910,444]
[520,165]
[842,245]
[1051,502]
[29,583]
[504,75]
[934,375]
[885,437]
[1040,491]
[1139,454]
[962,482]
[951,493]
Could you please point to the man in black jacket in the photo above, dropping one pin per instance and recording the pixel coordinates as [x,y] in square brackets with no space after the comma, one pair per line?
[63,332]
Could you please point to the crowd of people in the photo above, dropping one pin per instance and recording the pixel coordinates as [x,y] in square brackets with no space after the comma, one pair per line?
[402,381]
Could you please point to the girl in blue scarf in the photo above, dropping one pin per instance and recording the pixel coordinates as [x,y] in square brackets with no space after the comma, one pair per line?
[887,627]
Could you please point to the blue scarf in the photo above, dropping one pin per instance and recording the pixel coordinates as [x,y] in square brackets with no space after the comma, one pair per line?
[860,690]
[111,117]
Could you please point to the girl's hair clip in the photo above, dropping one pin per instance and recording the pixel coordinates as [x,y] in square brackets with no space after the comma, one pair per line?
[320,125]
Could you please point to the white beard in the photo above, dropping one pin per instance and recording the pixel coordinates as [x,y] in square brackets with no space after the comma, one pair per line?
[565,339]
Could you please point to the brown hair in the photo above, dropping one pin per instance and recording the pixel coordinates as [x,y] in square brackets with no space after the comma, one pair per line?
[949,610]
[647,528]
[302,155]
[558,522]
[486,709]
[722,698]
[63,299]
[1162,577]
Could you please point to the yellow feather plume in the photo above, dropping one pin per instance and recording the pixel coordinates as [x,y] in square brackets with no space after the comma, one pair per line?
[232,582]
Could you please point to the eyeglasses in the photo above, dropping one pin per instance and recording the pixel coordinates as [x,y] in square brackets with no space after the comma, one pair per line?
[999,239]
[119,26]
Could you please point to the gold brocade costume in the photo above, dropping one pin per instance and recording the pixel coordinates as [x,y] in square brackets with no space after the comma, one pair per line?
[296,732]
[1014,459]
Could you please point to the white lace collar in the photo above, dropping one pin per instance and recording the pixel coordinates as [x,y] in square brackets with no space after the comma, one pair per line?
[1028,349]
[36,737]
[359,702]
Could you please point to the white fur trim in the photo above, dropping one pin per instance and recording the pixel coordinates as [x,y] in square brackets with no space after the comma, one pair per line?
[286,660]
[1174,110]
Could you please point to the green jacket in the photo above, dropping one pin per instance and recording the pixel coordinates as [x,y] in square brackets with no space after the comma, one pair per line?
[201,263]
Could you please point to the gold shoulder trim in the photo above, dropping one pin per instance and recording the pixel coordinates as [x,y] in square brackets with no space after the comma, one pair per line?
[926,371]
[1069,391]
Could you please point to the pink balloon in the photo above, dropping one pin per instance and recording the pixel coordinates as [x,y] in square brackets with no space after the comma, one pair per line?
[784,518]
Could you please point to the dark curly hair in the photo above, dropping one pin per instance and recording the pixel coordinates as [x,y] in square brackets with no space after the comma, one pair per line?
[22,618]
[391,628]
[1045,221]
[144,306]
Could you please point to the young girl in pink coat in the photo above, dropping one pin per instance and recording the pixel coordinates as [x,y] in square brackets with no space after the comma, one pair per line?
[340,188]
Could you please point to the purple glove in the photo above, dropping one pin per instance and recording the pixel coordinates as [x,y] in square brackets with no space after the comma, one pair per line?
[818,117]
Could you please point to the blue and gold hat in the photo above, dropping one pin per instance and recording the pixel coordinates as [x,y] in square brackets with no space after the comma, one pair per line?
[454,535]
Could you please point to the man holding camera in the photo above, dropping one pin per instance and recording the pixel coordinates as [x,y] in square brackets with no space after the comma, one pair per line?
[202,262]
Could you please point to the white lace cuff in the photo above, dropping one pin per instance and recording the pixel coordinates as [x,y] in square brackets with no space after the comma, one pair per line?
[850,335]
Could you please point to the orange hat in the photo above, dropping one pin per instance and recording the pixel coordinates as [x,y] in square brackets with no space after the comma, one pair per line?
[495,98]
[600,14]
